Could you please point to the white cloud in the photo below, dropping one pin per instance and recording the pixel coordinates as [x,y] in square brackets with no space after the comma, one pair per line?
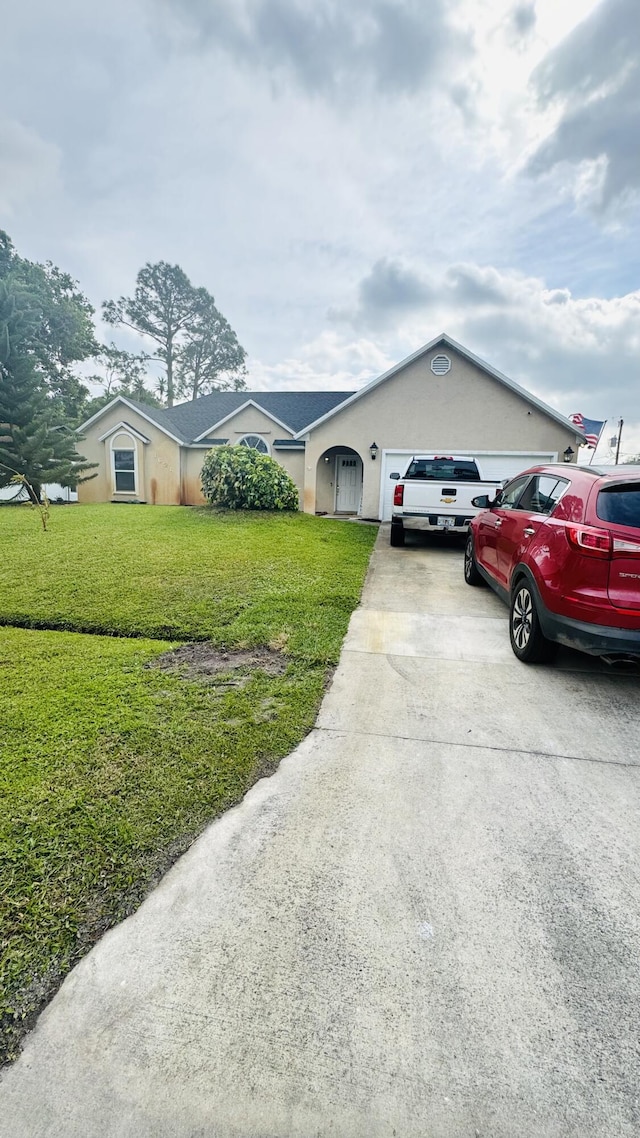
[593,79]
[578,353]
[364,161]
[330,362]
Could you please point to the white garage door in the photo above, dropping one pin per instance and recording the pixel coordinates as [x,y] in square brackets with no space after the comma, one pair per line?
[493,464]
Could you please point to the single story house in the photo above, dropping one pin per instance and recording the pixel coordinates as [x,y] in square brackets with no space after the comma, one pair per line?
[338,446]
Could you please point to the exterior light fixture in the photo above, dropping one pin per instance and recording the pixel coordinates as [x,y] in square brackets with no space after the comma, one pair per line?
[568,454]
[373,451]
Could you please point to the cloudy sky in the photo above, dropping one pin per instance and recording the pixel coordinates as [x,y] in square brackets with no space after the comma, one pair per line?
[347,179]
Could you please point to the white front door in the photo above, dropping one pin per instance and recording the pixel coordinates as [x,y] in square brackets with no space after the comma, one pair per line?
[348,483]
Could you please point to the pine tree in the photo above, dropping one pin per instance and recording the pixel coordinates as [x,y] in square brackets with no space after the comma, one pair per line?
[33,441]
[198,349]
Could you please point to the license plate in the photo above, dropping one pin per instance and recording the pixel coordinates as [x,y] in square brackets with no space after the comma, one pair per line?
[446,523]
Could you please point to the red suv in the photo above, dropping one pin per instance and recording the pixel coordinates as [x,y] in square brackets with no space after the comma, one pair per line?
[561,545]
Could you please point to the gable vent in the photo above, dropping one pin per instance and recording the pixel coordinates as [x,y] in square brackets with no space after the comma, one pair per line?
[440,365]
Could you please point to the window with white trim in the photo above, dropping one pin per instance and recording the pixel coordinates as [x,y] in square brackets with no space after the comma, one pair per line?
[124,470]
[255,441]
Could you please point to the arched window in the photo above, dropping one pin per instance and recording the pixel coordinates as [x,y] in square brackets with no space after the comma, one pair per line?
[124,464]
[255,441]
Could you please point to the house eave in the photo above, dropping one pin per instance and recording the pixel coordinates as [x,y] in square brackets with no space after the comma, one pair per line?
[206,444]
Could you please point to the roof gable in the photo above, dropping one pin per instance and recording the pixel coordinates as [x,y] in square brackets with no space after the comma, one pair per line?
[154,415]
[247,403]
[447,342]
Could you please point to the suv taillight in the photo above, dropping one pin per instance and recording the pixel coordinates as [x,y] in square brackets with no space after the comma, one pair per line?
[629,548]
[588,539]
[398,495]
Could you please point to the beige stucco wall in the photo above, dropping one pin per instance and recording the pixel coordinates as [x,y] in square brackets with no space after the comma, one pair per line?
[169,474]
[293,463]
[464,411]
[192,459]
[158,461]
[249,421]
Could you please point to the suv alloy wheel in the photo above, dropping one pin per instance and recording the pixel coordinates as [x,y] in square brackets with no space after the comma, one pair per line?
[471,574]
[527,639]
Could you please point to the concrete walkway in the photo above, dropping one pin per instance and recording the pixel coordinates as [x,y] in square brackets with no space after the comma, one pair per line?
[426,923]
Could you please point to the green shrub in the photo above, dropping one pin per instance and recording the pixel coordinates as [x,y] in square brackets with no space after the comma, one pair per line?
[241,478]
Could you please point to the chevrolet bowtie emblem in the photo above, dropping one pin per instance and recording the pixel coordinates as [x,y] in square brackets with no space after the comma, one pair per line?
[448,500]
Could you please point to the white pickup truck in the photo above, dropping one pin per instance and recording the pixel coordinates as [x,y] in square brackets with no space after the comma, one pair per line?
[435,494]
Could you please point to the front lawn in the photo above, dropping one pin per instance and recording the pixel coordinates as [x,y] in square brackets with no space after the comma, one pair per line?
[189,574]
[109,767]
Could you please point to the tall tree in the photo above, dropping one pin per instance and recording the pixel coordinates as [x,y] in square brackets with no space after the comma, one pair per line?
[169,310]
[34,441]
[59,331]
[211,358]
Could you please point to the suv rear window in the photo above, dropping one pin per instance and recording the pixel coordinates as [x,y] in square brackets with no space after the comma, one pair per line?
[443,469]
[620,505]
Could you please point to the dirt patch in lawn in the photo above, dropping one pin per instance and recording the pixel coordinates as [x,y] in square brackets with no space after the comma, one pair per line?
[206,661]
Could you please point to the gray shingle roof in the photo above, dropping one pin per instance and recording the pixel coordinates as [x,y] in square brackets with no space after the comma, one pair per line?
[293,408]
[156,414]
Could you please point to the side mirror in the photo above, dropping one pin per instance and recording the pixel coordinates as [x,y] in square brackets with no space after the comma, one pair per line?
[482,502]
[395,476]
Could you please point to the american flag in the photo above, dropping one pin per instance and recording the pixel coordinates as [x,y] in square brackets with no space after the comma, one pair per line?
[592,428]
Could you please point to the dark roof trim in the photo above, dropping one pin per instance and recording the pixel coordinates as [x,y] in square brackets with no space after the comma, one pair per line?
[208,443]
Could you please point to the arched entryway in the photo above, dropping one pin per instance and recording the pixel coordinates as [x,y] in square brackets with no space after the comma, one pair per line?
[339,481]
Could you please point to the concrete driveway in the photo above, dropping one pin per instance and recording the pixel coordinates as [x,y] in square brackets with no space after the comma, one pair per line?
[427,923]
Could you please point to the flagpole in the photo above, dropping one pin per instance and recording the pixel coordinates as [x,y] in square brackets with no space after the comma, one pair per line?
[620,426]
[593,452]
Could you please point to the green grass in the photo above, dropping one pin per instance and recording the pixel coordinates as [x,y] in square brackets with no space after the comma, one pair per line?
[108,769]
[177,573]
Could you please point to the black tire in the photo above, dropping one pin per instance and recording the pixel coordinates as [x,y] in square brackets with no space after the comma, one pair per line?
[525,632]
[397,534]
[472,574]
